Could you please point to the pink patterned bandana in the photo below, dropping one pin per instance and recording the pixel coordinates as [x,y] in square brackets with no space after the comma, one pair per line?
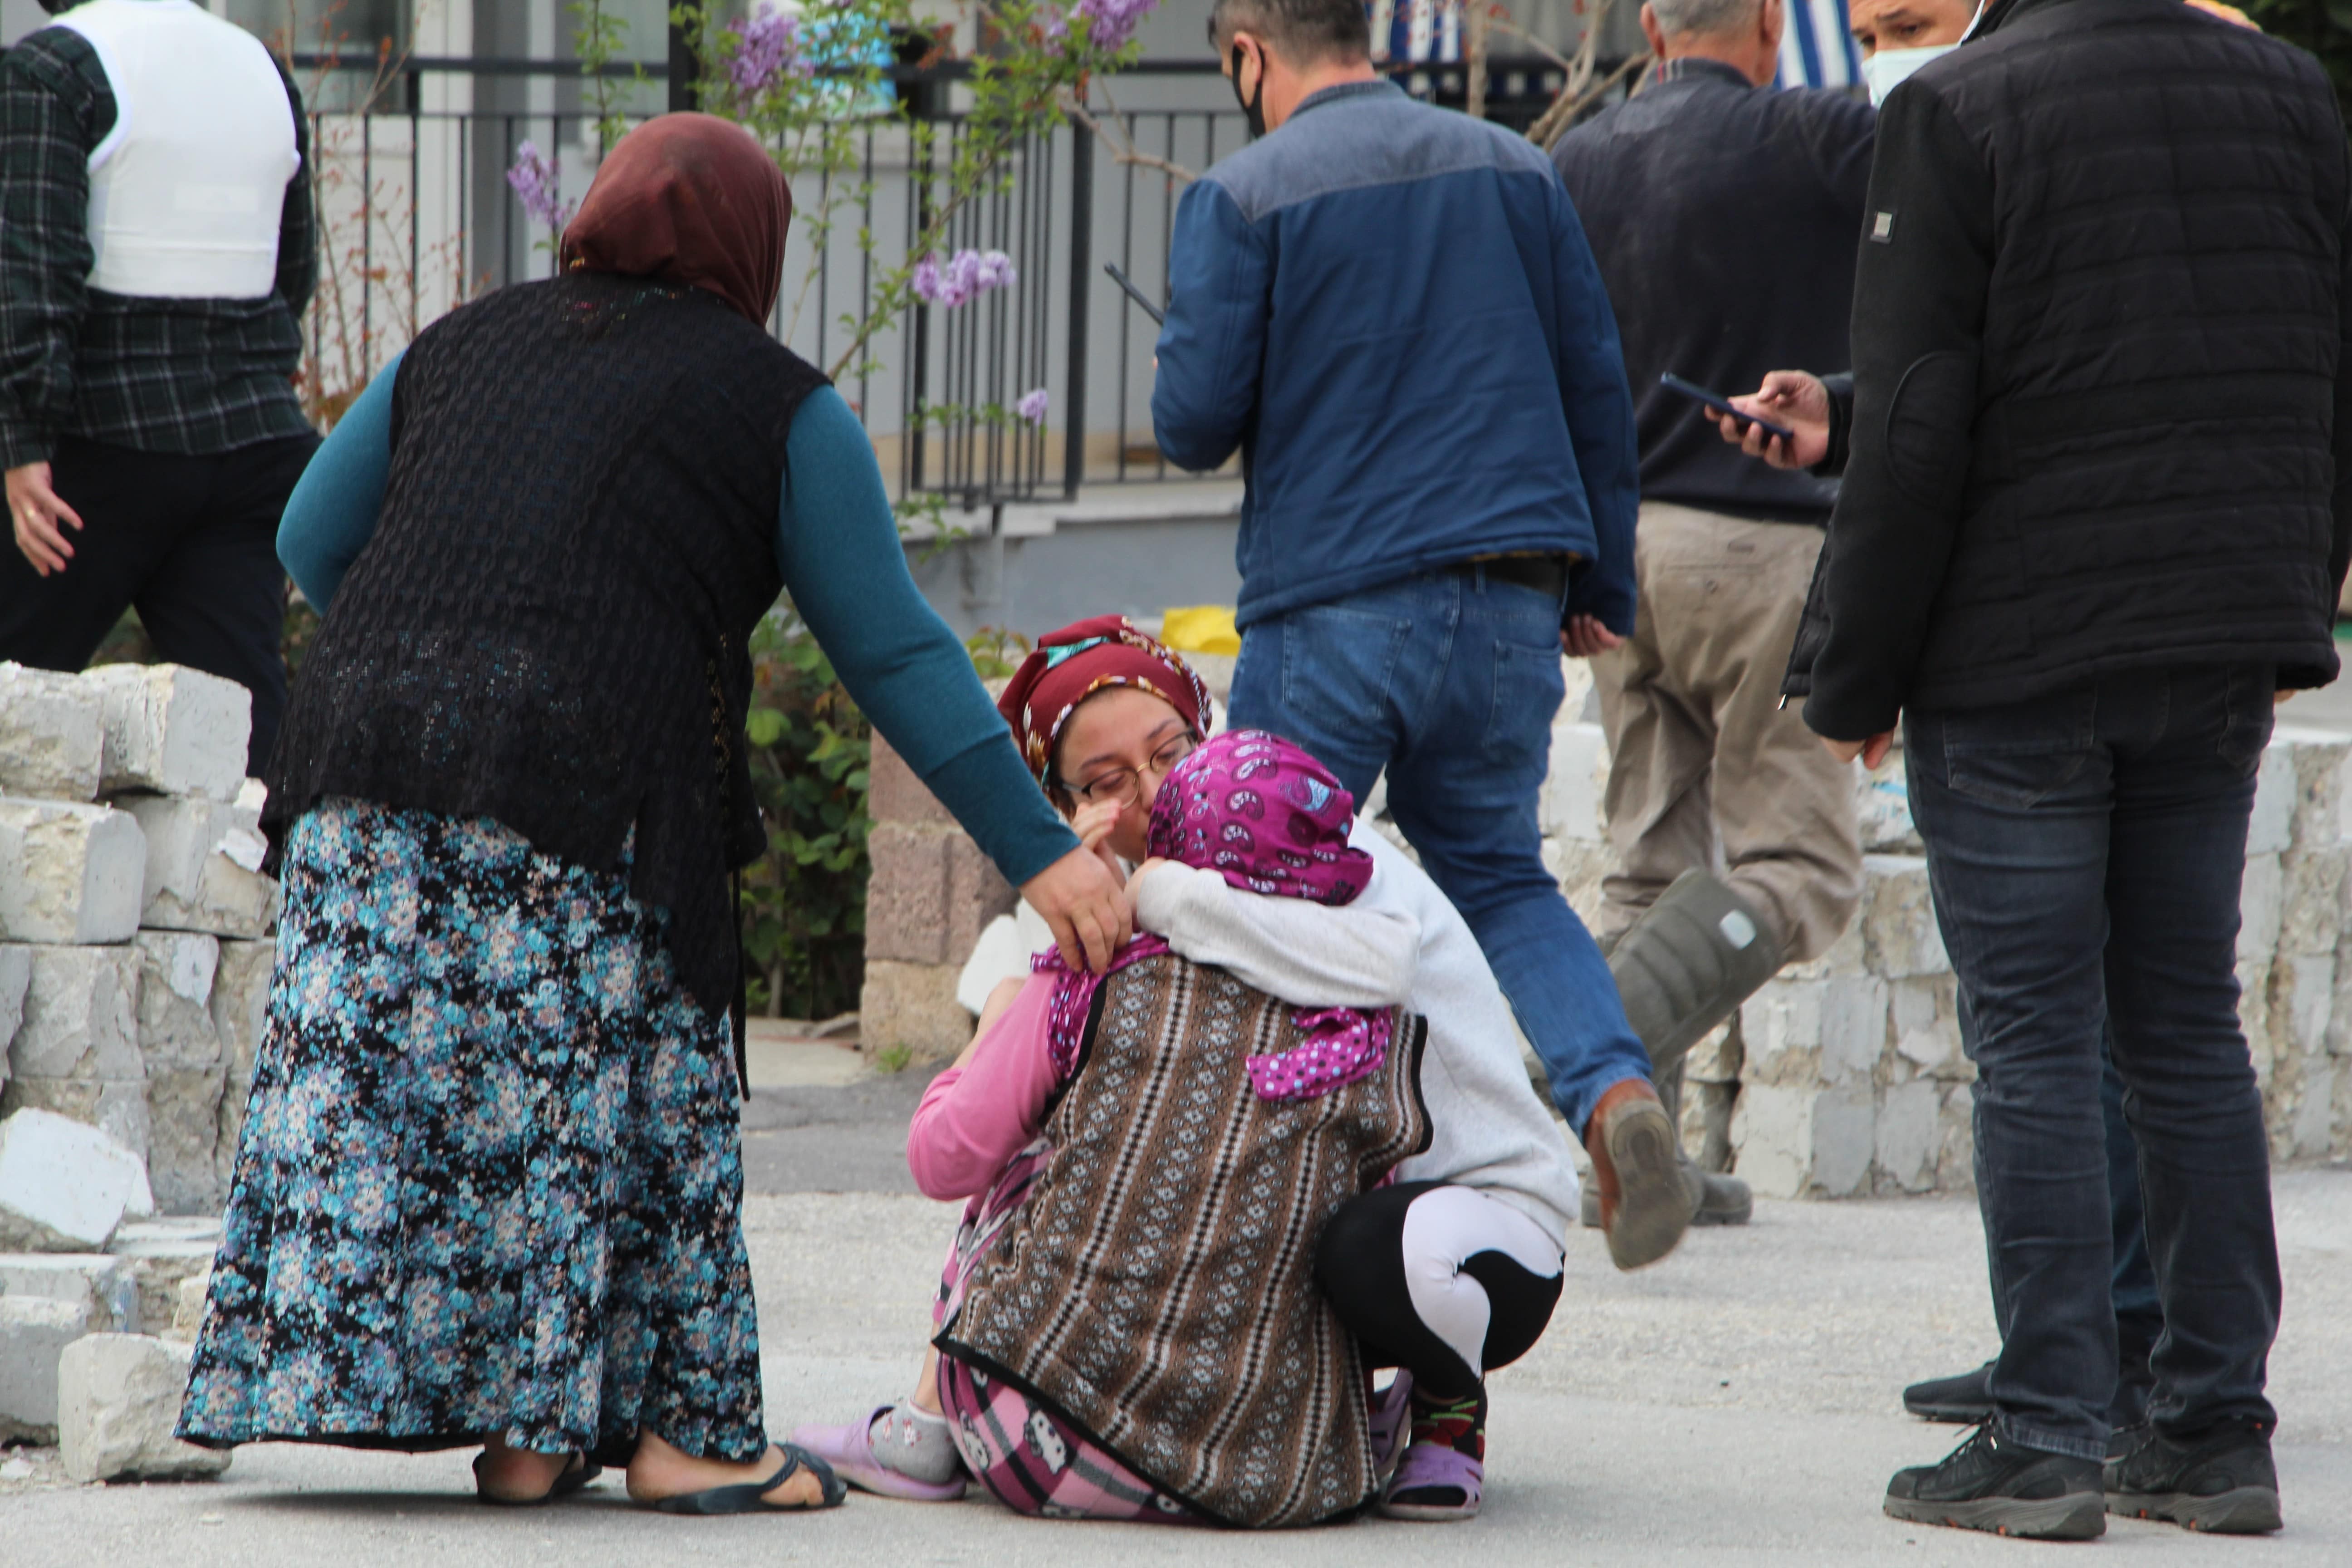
[1262,813]
[1271,820]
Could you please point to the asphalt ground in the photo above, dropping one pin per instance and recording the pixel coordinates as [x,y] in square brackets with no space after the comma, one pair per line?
[1737,1403]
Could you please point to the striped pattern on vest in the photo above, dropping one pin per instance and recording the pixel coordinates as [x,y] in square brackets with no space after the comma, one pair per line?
[1158,1290]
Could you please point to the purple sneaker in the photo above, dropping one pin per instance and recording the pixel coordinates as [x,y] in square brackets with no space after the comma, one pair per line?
[850,1451]
[1434,1466]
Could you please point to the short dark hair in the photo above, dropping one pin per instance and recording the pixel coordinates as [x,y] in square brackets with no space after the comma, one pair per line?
[1301,31]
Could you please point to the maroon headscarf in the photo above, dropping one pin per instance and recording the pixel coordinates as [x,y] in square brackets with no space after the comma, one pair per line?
[687,198]
[1073,664]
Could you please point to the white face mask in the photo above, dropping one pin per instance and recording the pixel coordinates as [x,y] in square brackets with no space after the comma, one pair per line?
[1888,69]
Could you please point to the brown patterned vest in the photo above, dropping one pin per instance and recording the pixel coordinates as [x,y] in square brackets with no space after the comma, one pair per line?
[1159,1287]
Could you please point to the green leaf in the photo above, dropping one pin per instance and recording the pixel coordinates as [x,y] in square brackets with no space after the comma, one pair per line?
[765,726]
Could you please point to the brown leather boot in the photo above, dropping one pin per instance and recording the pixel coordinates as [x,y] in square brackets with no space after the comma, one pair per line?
[1644,1205]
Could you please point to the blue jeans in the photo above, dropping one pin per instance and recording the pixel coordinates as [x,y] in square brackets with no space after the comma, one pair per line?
[2085,849]
[1449,682]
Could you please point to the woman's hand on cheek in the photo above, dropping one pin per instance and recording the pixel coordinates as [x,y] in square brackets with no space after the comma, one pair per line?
[1093,822]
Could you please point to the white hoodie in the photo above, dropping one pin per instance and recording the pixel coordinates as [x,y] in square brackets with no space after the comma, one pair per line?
[1399,940]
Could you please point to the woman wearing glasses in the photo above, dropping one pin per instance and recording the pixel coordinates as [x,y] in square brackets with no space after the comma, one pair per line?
[1255,872]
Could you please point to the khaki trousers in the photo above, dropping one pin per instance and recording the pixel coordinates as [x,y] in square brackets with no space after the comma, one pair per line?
[1701,753]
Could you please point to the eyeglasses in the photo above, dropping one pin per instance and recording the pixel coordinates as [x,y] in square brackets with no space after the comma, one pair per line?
[1125,785]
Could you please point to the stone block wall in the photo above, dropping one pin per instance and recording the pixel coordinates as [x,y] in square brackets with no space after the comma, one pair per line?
[931,894]
[1845,1076]
[135,924]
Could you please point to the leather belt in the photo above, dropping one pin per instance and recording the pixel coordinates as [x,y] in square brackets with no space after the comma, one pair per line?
[1547,575]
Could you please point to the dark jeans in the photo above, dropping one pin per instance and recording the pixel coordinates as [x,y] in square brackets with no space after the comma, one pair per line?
[191,541]
[2139,1312]
[2085,849]
[1449,682]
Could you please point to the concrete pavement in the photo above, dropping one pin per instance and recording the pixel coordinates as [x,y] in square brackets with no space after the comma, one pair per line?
[1735,1404]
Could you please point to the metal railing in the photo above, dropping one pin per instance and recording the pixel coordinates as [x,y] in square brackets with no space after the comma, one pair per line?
[416,216]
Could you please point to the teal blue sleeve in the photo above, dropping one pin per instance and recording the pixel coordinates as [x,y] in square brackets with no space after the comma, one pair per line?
[838,546]
[331,514]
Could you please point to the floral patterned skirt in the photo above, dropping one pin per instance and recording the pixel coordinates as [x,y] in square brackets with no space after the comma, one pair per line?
[489,1182]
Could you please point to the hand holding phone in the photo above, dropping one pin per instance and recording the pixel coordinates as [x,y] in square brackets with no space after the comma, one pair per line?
[1134,293]
[1698,393]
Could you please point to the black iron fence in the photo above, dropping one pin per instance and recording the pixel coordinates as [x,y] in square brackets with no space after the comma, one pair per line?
[416,214]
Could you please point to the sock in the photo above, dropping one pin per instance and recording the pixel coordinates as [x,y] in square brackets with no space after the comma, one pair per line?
[916,1443]
[1457,1424]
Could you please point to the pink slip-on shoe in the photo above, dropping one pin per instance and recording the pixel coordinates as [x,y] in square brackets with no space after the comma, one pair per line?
[849,1449]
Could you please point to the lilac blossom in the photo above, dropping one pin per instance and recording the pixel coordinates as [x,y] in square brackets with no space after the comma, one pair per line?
[534,177]
[1031,405]
[770,45]
[1110,23]
[965,276]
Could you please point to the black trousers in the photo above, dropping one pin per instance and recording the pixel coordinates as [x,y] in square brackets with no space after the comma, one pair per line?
[1440,1280]
[191,542]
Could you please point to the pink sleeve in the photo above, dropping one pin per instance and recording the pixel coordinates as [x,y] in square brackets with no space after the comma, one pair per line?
[975,1118]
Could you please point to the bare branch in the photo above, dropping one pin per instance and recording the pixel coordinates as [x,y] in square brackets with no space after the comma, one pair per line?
[1123,151]
[1501,22]
[1580,92]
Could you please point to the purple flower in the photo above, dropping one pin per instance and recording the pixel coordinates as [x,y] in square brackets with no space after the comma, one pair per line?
[534,177]
[1110,23]
[993,269]
[771,42]
[1031,405]
[966,275]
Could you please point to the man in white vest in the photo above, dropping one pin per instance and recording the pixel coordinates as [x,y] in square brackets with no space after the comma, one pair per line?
[156,254]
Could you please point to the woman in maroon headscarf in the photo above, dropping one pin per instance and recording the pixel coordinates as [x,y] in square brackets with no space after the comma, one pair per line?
[488,1190]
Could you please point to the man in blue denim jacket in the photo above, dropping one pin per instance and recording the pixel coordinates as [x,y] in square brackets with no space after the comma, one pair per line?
[1393,311]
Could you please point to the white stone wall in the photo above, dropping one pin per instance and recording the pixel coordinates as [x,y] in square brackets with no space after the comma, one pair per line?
[135,924]
[135,952]
[1845,1076]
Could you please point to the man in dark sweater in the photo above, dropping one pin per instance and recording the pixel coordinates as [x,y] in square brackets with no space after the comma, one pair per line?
[2096,513]
[1724,216]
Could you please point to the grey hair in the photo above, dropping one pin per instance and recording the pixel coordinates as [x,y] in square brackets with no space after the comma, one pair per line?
[1703,18]
[1301,31]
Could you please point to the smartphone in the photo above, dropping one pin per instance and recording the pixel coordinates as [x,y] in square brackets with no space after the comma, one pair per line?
[1134,293]
[1693,391]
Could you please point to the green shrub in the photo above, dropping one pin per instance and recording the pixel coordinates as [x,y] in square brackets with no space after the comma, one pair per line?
[804,909]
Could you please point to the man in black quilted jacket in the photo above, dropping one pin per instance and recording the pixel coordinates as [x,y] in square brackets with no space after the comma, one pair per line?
[2096,514]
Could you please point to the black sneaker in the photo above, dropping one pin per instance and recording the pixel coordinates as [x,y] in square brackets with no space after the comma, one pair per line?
[2222,1481]
[2003,1487]
[1966,1398]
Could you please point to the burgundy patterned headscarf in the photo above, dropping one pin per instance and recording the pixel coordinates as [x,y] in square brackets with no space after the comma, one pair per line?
[1074,663]
[1271,820]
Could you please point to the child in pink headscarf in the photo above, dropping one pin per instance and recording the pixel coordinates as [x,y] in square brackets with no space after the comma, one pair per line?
[1272,821]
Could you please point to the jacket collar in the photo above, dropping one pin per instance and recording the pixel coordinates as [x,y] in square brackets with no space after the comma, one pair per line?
[1698,66]
[1382,87]
[2001,13]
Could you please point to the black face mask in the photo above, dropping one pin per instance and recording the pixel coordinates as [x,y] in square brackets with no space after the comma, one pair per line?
[1252,107]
